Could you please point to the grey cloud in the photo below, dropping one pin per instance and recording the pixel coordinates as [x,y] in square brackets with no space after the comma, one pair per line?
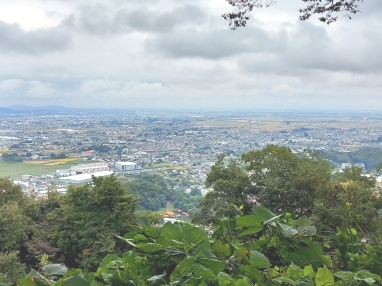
[102,20]
[309,47]
[95,19]
[15,39]
[143,19]
[214,44]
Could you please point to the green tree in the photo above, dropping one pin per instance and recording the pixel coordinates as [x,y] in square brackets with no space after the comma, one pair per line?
[354,174]
[11,157]
[230,194]
[89,217]
[17,211]
[11,269]
[325,8]
[349,204]
[151,196]
[195,192]
[285,182]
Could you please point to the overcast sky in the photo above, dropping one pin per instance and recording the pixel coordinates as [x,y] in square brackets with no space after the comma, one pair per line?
[181,54]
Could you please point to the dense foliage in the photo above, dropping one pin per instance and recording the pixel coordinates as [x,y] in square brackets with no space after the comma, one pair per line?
[89,217]
[11,157]
[256,249]
[329,232]
[17,212]
[155,192]
[299,184]
[370,156]
[231,189]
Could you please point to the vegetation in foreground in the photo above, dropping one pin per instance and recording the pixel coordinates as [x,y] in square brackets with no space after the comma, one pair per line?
[328,231]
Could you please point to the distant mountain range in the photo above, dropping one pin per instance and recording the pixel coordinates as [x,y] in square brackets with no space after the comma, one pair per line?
[51,109]
[4,110]
[43,109]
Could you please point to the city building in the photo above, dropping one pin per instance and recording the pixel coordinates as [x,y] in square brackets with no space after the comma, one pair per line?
[84,178]
[90,168]
[125,166]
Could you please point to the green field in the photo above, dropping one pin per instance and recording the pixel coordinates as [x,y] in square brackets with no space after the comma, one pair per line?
[160,165]
[16,170]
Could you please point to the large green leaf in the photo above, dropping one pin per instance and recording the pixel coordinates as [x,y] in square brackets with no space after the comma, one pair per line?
[28,281]
[295,271]
[249,221]
[170,232]
[152,232]
[344,275]
[156,278]
[139,237]
[220,248]
[272,219]
[215,265]
[183,267]
[203,271]
[306,254]
[251,230]
[55,269]
[76,280]
[243,282]
[286,280]
[366,276]
[252,272]
[263,212]
[324,277]
[286,229]
[149,247]
[37,279]
[72,272]
[224,279]
[109,258]
[309,271]
[194,235]
[259,260]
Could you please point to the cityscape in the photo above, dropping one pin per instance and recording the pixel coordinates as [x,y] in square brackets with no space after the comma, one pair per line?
[55,150]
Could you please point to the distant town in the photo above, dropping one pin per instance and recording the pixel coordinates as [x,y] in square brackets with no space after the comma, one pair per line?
[45,151]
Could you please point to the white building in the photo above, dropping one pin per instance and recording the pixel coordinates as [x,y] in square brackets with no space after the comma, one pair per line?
[83,178]
[125,166]
[90,168]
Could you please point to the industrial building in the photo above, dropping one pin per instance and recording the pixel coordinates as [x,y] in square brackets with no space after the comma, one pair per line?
[90,168]
[125,166]
[83,178]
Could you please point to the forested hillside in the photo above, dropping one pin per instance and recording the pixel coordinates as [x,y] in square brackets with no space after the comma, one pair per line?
[155,193]
[370,156]
[271,218]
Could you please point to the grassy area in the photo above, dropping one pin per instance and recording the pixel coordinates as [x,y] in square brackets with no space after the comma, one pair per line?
[161,165]
[16,170]
[279,123]
[182,167]
[72,160]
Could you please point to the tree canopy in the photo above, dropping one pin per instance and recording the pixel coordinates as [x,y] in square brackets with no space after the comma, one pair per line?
[285,181]
[89,217]
[16,226]
[298,184]
[230,194]
[326,9]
